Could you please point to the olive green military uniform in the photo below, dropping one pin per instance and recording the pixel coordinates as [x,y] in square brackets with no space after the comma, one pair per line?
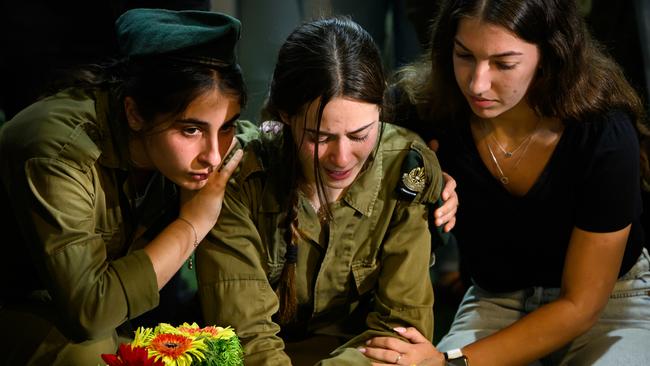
[75,273]
[358,276]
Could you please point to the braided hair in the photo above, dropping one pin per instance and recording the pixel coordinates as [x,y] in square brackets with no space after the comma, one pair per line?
[319,61]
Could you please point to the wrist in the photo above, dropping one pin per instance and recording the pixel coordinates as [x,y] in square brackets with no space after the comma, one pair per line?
[455,357]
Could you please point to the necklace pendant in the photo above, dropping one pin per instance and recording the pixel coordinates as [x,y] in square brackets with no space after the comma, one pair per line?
[504,180]
[507,154]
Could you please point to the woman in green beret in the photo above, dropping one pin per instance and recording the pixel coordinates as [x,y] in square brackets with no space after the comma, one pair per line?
[112,184]
[323,240]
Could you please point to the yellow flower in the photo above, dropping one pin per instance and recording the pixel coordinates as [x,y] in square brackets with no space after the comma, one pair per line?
[219,332]
[190,329]
[142,337]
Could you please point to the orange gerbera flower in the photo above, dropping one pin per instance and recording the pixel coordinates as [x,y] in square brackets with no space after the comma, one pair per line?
[176,349]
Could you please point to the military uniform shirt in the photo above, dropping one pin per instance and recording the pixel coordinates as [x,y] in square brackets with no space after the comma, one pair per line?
[64,164]
[376,250]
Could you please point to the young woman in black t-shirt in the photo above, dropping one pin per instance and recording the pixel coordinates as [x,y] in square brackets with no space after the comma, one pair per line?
[536,125]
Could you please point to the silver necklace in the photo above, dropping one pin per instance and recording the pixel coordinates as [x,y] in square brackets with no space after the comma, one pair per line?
[525,143]
[508,154]
[502,177]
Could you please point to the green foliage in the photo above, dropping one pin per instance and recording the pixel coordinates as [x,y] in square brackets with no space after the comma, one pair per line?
[223,352]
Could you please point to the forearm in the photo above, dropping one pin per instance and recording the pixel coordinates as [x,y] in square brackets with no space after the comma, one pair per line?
[172,247]
[541,332]
[94,298]
[404,290]
[346,356]
[234,289]
[266,351]
[246,302]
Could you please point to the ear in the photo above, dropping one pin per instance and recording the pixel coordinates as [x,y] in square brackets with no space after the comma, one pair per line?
[136,122]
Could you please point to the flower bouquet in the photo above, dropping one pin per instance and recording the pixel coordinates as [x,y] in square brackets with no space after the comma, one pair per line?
[185,345]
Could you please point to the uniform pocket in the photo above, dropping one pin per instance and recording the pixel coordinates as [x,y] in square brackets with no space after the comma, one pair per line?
[365,276]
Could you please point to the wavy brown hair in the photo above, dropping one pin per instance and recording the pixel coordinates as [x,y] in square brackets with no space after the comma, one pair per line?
[576,78]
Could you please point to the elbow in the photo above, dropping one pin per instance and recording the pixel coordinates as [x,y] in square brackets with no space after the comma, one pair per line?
[591,318]
[585,322]
[87,324]
[80,330]
[586,315]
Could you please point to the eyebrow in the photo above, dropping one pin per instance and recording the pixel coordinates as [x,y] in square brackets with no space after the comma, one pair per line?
[194,121]
[503,54]
[349,133]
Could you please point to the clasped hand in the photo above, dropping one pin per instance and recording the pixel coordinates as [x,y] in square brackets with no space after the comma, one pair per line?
[415,350]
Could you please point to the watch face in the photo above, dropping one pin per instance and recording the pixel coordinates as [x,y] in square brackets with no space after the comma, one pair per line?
[460,361]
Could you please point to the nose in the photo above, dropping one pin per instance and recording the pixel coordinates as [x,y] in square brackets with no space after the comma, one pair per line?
[339,153]
[480,81]
[209,154]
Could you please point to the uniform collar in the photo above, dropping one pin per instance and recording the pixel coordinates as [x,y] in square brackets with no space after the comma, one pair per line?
[363,192]
[361,195]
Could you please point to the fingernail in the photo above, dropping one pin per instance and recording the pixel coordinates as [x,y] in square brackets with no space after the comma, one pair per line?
[362,350]
[368,341]
[400,329]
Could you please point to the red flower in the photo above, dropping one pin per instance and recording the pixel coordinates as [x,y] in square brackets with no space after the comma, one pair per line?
[131,356]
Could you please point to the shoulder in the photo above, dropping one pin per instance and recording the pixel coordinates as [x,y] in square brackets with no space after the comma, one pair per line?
[612,130]
[263,151]
[411,164]
[396,141]
[56,127]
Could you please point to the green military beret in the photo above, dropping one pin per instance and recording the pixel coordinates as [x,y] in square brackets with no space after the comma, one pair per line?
[195,36]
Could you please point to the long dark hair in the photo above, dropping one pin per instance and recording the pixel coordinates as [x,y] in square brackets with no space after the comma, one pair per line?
[576,78]
[320,60]
[158,84]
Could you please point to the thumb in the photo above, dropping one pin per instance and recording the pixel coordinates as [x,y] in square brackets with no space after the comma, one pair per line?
[412,334]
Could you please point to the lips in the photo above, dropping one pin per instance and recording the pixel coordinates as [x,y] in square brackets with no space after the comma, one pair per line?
[481,102]
[199,176]
[338,174]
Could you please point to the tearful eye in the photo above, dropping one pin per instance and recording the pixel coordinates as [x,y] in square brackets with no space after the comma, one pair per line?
[191,131]
[316,138]
[359,138]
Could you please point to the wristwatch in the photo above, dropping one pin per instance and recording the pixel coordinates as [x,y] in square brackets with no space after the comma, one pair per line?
[455,357]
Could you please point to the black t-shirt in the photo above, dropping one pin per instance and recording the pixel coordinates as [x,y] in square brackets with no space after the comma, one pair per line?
[591,182]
